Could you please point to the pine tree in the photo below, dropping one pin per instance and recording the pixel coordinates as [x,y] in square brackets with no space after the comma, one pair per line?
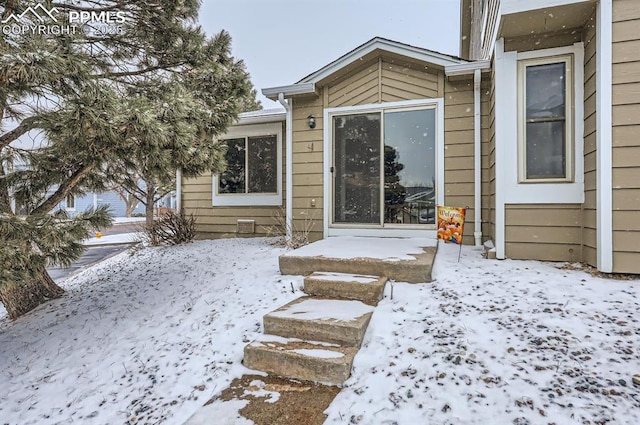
[99,103]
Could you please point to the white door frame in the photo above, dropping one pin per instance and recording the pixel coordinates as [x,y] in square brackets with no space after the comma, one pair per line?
[390,231]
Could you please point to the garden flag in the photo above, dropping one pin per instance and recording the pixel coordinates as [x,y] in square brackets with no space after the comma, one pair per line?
[451,225]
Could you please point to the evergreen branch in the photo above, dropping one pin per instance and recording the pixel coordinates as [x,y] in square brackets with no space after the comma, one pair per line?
[63,190]
[74,7]
[139,71]
[25,126]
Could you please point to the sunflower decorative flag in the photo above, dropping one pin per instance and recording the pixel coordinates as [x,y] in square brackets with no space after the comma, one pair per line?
[451,224]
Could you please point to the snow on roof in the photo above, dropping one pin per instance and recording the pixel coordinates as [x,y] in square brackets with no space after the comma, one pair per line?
[261,116]
[262,113]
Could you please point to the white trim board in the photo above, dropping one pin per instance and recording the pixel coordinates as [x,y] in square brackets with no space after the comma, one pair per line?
[516,6]
[504,125]
[327,175]
[604,136]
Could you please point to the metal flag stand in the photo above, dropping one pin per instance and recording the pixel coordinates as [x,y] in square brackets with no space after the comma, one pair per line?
[462,236]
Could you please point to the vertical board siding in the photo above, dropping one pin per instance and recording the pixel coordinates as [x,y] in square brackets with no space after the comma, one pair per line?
[220,222]
[548,232]
[384,80]
[589,224]
[626,143]
[459,162]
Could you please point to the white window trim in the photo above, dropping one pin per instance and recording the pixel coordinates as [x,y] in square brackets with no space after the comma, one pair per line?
[404,231]
[522,125]
[66,203]
[508,184]
[252,199]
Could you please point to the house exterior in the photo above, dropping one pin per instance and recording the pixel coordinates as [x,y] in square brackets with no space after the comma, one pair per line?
[533,129]
[75,205]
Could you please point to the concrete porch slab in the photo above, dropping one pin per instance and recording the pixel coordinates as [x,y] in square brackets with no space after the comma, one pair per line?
[401,259]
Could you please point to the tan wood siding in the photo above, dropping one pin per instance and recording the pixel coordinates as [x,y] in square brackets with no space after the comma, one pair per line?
[589,224]
[404,82]
[216,221]
[459,162]
[384,80]
[358,88]
[544,232]
[308,159]
[626,144]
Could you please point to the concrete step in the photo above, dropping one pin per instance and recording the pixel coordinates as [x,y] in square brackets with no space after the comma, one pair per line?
[303,360]
[401,259]
[366,288]
[341,322]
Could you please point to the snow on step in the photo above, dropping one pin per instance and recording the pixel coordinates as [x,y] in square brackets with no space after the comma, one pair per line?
[335,321]
[322,309]
[346,247]
[400,259]
[320,353]
[345,277]
[304,360]
[366,288]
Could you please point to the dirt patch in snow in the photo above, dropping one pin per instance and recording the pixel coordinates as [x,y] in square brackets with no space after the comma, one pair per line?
[278,401]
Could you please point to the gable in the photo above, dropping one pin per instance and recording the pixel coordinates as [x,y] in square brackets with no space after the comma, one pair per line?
[352,62]
[384,78]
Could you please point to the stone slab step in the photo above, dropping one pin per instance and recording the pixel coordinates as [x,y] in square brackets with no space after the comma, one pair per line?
[400,259]
[366,288]
[303,360]
[341,322]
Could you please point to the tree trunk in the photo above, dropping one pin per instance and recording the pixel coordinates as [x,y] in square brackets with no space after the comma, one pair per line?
[151,194]
[21,298]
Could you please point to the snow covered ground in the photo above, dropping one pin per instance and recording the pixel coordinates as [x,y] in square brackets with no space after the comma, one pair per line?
[149,338]
[141,339]
[119,220]
[121,238]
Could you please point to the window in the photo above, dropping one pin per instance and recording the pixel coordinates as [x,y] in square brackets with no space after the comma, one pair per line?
[545,99]
[251,166]
[254,167]
[70,203]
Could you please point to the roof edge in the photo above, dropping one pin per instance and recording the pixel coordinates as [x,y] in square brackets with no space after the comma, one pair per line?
[467,68]
[254,117]
[290,90]
[391,46]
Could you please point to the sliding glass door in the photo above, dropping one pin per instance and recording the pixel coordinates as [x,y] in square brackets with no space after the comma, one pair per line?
[384,168]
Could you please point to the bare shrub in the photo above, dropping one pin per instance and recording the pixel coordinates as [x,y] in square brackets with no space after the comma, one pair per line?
[299,233]
[171,228]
